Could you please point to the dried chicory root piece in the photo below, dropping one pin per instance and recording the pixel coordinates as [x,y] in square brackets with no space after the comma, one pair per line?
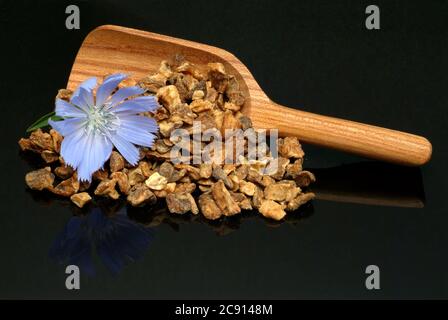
[81,199]
[40,179]
[186,93]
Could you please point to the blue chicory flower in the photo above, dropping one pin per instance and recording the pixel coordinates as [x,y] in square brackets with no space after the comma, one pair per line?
[92,126]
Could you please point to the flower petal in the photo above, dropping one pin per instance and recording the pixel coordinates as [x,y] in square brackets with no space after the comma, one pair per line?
[65,109]
[137,105]
[142,122]
[136,136]
[84,99]
[72,148]
[125,93]
[88,85]
[127,149]
[108,85]
[97,150]
[67,126]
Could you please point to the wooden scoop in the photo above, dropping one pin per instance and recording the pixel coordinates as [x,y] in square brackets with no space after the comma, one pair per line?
[109,49]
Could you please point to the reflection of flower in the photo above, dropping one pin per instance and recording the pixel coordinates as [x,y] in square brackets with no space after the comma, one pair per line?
[115,239]
[92,126]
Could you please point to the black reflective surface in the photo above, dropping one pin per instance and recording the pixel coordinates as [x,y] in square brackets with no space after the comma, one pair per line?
[315,54]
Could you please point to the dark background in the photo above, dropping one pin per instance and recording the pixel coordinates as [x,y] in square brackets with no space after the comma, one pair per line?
[313,55]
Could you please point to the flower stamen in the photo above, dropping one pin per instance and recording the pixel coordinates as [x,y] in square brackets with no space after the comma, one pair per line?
[101,121]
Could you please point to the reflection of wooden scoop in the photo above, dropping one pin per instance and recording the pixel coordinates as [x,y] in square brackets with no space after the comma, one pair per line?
[370,183]
[110,49]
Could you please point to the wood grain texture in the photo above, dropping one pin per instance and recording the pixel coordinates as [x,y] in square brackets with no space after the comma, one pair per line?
[362,139]
[109,49]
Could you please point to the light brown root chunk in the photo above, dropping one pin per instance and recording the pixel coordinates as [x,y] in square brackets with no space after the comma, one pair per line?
[40,179]
[80,199]
[271,209]
[208,206]
[300,200]
[181,203]
[140,195]
[224,200]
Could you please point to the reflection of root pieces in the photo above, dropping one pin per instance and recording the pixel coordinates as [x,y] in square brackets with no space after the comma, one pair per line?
[158,214]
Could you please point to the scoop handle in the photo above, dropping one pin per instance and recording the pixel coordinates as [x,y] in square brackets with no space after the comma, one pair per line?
[349,136]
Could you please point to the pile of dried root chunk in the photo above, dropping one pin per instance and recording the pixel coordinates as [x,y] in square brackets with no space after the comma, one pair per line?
[186,93]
